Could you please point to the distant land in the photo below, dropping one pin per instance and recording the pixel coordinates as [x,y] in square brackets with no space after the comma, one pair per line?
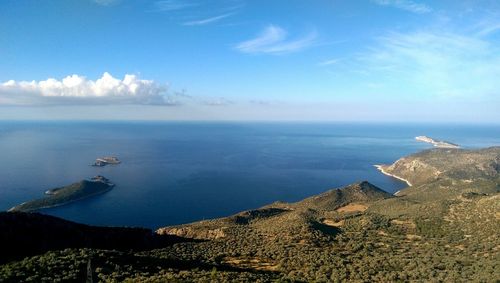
[443,228]
[64,195]
[437,143]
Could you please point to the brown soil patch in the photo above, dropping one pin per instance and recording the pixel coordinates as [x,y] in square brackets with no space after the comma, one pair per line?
[333,223]
[382,233]
[251,263]
[352,207]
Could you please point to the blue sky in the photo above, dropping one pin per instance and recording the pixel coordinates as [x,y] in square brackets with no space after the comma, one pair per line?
[376,60]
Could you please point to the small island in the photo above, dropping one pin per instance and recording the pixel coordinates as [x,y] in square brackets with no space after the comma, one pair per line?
[437,143]
[64,195]
[107,160]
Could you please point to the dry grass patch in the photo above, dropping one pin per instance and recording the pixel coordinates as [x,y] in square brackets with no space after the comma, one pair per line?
[352,207]
[303,242]
[251,263]
[413,237]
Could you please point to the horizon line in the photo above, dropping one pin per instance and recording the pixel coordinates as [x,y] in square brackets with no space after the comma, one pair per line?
[257,121]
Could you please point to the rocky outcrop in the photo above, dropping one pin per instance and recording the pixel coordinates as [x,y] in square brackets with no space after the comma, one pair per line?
[193,233]
[107,160]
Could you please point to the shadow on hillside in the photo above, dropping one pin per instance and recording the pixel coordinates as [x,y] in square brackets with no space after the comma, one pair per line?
[27,234]
[326,229]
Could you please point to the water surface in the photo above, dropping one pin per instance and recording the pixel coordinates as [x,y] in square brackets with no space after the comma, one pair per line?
[181,172]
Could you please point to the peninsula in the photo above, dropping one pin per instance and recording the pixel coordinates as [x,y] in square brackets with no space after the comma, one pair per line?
[64,195]
[107,160]
[437,143]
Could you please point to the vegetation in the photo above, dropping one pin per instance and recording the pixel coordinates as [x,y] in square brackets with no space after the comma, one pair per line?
[442,230]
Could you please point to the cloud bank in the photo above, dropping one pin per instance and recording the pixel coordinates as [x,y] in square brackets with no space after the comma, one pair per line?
[75,89]
[273,40]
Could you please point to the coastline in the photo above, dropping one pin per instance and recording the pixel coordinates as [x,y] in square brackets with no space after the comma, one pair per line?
[379,167]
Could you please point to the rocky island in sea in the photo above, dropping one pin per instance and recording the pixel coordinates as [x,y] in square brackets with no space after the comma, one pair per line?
[437,143]
[107,160]
[64,195]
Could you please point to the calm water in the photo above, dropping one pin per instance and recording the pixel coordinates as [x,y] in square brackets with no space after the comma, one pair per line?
[180,172]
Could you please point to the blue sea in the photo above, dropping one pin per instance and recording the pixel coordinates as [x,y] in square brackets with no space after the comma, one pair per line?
[179,172]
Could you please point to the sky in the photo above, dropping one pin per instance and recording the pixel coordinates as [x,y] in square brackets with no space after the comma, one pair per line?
[256,60]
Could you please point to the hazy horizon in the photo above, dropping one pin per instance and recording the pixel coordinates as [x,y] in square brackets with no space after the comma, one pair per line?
[277,122]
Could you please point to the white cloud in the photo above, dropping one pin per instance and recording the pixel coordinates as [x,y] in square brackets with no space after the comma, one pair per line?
[77,89]
[406,5]
[438,63]
[198,13]
[208,20]
[487,27]
[273,40]
[105,2]
[173,5]
[329,62]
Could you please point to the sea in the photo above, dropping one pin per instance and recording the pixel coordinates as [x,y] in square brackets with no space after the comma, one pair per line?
[180,172]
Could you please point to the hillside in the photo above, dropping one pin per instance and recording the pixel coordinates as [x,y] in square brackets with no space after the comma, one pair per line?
[443,228]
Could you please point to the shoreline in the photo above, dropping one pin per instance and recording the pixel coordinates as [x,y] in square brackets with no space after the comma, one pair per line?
[379,167]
